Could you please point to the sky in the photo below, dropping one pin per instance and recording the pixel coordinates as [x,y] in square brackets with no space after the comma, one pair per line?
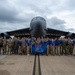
[17,14]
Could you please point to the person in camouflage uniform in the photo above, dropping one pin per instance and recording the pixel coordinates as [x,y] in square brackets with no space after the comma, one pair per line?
[4,45]
[24,46]
[16,46]
[52,46]
[70,46]
[38,40]
[63,44]
[1,44]
[20,47]
[13,45]
[9,46]
[28,43]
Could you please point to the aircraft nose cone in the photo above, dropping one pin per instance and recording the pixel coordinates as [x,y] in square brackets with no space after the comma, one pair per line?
[38,25]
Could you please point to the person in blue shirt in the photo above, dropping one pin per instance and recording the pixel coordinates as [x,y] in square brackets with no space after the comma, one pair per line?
[19,46]
[49,42]
[59,42]
[74,47]
[56,46]
[33,43]
[52,47]
[46,42]
[28,43]
[74,41]
[43,42]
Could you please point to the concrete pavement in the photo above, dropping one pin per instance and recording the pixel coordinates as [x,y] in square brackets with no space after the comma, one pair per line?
[58,65]
[16,65]
[50,65]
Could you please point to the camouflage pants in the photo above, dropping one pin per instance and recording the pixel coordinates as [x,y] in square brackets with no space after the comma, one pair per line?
[47,49]
[64,51]
[20,50]
[10,49]
[0,49]
[4,49]
[52,50]
[28,49]
[70,48]
[74,50]
[24,49]
[58,50]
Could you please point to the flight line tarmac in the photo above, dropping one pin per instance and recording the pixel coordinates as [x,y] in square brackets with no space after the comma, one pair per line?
[48,65]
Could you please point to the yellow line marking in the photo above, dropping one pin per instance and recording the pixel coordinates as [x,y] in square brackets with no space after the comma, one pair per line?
[37,69]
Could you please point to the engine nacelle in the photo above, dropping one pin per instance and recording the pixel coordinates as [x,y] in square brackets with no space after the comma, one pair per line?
[4,34]
[71,35]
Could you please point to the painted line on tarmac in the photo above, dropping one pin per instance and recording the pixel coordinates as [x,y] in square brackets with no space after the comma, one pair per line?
[36,67]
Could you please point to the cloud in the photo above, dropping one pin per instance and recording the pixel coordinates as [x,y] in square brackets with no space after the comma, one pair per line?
[12,26]
[59,24]
[11,13]
[56,23]
[8,12]
[70,30]
[70,5]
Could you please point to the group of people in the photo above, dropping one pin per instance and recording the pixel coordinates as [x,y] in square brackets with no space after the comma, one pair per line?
[54,46]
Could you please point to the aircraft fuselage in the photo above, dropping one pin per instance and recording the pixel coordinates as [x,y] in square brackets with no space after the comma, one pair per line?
[38,27]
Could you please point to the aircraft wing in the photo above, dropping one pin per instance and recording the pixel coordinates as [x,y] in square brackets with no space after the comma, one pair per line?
[26,32]
[20,32]
[54,32]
